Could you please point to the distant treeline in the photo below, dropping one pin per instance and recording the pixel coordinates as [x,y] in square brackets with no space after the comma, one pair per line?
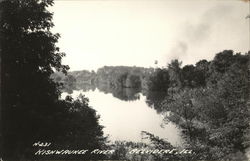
[173,76]
[110,76]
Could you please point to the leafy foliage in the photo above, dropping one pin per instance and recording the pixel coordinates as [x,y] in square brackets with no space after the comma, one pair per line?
[32,110]
[211,105]
[159,80]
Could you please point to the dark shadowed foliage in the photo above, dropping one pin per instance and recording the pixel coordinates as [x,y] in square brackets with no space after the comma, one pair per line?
[31,108]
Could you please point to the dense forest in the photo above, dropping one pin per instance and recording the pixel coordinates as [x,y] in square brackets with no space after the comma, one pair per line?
[209,101]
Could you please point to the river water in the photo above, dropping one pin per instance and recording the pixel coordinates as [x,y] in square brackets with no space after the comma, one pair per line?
[124,119]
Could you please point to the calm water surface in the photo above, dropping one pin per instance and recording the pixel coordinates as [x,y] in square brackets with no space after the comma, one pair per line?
[124,120]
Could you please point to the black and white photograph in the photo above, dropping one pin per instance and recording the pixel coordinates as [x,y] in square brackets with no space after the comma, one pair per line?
[125,80]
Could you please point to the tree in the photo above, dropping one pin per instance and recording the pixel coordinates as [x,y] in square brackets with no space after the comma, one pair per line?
[188,72]
[194,76]
[133,81]
[201,69]
[32,110]
[175,74]
[223,60]
[159,80]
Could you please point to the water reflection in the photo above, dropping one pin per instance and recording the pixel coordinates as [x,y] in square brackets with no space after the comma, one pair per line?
[154,100]
[85,87]
[124,120]
[125,94]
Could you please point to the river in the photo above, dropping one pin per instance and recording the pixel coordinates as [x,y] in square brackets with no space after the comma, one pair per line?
[124,119]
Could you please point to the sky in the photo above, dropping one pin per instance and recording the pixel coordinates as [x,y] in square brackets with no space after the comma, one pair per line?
[95,33]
